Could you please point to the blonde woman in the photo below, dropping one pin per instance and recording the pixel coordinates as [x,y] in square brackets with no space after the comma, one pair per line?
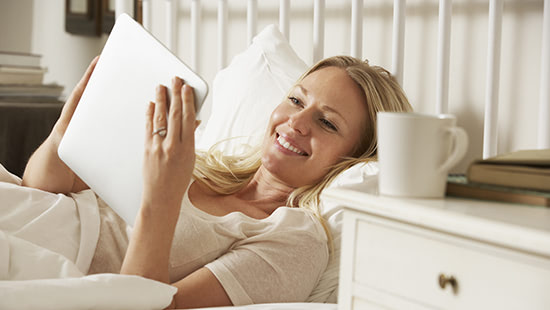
[236,230]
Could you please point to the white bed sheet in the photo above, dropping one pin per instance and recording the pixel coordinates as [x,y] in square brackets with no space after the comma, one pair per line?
[282,306]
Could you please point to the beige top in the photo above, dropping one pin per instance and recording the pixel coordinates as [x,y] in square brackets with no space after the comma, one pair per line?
[276,259]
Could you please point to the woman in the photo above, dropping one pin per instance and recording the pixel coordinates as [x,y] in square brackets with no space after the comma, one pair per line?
[248,230]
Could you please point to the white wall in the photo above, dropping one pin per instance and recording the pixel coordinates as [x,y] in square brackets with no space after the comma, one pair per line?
[38,26]
[16,15]
[68,55]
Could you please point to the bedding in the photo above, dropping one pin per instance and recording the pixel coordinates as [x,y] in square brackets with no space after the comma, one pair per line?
[244,94]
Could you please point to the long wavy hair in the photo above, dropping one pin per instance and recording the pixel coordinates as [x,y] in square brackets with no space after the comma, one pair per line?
[228,174]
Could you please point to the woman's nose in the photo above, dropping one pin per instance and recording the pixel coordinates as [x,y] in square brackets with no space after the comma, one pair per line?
[300,121]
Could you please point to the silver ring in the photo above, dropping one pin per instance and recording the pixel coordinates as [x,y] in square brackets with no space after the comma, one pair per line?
[160,131]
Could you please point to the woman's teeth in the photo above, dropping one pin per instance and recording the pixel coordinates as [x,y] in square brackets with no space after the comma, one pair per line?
[288,146]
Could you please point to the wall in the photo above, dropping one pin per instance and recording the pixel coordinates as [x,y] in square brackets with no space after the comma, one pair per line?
[67,55]
[39,27]
[16,15]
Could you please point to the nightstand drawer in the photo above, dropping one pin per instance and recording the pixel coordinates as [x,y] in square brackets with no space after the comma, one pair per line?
[395,263]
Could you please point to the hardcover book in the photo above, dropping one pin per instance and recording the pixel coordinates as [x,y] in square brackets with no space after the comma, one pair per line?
[526,169]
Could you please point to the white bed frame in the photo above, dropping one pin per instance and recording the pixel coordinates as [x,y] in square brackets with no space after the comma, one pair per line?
[356,16]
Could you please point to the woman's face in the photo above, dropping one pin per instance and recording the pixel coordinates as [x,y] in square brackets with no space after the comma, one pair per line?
[320,122]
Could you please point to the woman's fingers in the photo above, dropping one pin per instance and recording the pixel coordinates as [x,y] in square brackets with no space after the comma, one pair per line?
[159,120]
[175,114]
[189,118]
[149,115]
[181,123]
[77,92]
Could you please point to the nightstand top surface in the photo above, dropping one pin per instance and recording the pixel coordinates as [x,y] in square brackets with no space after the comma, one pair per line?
[519,226]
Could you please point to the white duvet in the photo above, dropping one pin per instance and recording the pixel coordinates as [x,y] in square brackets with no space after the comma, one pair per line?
[47,243]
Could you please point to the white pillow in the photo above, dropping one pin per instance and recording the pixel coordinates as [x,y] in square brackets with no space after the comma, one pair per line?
[361,177]
[245,93]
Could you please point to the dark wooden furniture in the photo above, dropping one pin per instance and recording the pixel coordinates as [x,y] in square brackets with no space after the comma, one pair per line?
[23,127]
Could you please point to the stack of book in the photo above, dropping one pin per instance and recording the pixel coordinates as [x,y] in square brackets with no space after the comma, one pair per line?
[21,80]
[517,177]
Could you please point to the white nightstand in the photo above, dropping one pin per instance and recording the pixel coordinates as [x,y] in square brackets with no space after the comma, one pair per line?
[442,253]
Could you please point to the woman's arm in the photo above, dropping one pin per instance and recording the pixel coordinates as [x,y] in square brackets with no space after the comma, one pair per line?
[167,168]
[45,170]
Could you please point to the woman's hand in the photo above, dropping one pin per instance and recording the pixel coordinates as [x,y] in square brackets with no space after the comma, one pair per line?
[168,164]
[169,156]
[45,170]
[70,105]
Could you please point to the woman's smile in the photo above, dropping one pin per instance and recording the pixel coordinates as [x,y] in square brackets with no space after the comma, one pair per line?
[286,146]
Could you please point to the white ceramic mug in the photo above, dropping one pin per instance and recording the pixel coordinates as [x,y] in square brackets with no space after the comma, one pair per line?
[416,152]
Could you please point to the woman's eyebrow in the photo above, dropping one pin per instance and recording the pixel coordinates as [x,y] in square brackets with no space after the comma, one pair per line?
[331,110]
[324,107]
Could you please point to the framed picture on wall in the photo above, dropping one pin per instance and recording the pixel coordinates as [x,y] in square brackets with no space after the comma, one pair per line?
[94,17]
[83,17]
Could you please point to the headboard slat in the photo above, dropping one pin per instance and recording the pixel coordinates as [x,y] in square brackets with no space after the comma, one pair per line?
[493,78]
[318,30]
[284,18]
[222,33]
[443,56]
[398,46]
[195,33]
[544,110]
[251,20]
[357,28]
[171,25]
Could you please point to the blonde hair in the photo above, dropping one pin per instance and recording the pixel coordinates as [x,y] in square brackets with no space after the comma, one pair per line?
[228,174]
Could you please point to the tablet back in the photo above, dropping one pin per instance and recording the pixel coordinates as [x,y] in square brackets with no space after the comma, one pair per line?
[104,141]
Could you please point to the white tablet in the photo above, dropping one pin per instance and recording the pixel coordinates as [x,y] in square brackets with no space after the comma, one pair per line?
[104,141]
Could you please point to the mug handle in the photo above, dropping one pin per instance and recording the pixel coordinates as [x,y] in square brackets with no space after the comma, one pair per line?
[460,146]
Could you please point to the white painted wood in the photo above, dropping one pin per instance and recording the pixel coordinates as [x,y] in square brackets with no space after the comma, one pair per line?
[251,20]
[318,30]
[222,33]
[544,110]
[398,47]
[357,28]
[146,14]
[284,18]
[393,251]
[171,24]
[490,129]
[124,6]
[195,34]
[443,56]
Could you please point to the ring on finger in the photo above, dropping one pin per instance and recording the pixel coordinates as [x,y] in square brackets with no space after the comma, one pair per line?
[160,131]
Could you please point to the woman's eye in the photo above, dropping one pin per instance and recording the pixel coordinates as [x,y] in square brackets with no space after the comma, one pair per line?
[328,124]
[295,101]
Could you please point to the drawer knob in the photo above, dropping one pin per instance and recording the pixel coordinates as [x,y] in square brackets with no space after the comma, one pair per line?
[444,280]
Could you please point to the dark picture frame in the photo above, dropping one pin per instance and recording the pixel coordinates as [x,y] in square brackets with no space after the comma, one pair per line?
[82,17]
[93,17]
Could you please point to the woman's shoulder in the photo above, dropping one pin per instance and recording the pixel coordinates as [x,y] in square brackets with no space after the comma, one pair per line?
[297,221]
